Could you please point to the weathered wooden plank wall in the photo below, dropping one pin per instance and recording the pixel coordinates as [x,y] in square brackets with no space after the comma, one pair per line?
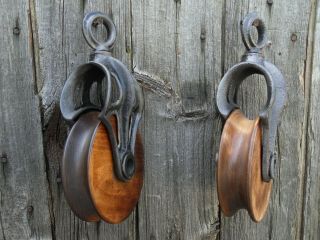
[179,50]
[310,228]
[179,199]
[24,202]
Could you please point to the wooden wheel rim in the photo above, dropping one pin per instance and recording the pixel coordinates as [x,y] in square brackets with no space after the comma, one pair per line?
[239,178]
[81,177]
[74,167]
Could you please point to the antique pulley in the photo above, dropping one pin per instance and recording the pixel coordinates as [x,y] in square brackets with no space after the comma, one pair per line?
[102,165]
[247,156]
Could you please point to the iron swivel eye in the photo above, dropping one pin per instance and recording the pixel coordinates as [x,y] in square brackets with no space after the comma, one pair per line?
[250,21]
[88,35]
[128,165]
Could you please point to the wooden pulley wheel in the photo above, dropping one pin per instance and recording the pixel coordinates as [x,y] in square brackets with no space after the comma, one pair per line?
[91,187]
[239,176]
[102,165]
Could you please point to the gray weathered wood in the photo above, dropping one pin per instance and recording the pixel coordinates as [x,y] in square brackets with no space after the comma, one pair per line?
[178,50]
[24,195]
[311,214]
[179,199]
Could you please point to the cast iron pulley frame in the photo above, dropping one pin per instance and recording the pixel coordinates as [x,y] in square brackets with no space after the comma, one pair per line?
[126,104]
[253,62]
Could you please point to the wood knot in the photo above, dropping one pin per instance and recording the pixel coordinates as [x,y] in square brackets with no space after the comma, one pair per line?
[30,209]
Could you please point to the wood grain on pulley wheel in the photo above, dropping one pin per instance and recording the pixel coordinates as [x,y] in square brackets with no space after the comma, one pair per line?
[239,177]
[91,187]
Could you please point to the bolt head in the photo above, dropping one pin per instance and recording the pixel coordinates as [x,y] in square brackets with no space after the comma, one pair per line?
[294,37]
[269,2]
[128,165]
[16,31]
[4,158]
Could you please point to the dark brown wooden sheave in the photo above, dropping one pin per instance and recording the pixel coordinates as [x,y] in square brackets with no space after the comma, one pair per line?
[90,185]
[239,178]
